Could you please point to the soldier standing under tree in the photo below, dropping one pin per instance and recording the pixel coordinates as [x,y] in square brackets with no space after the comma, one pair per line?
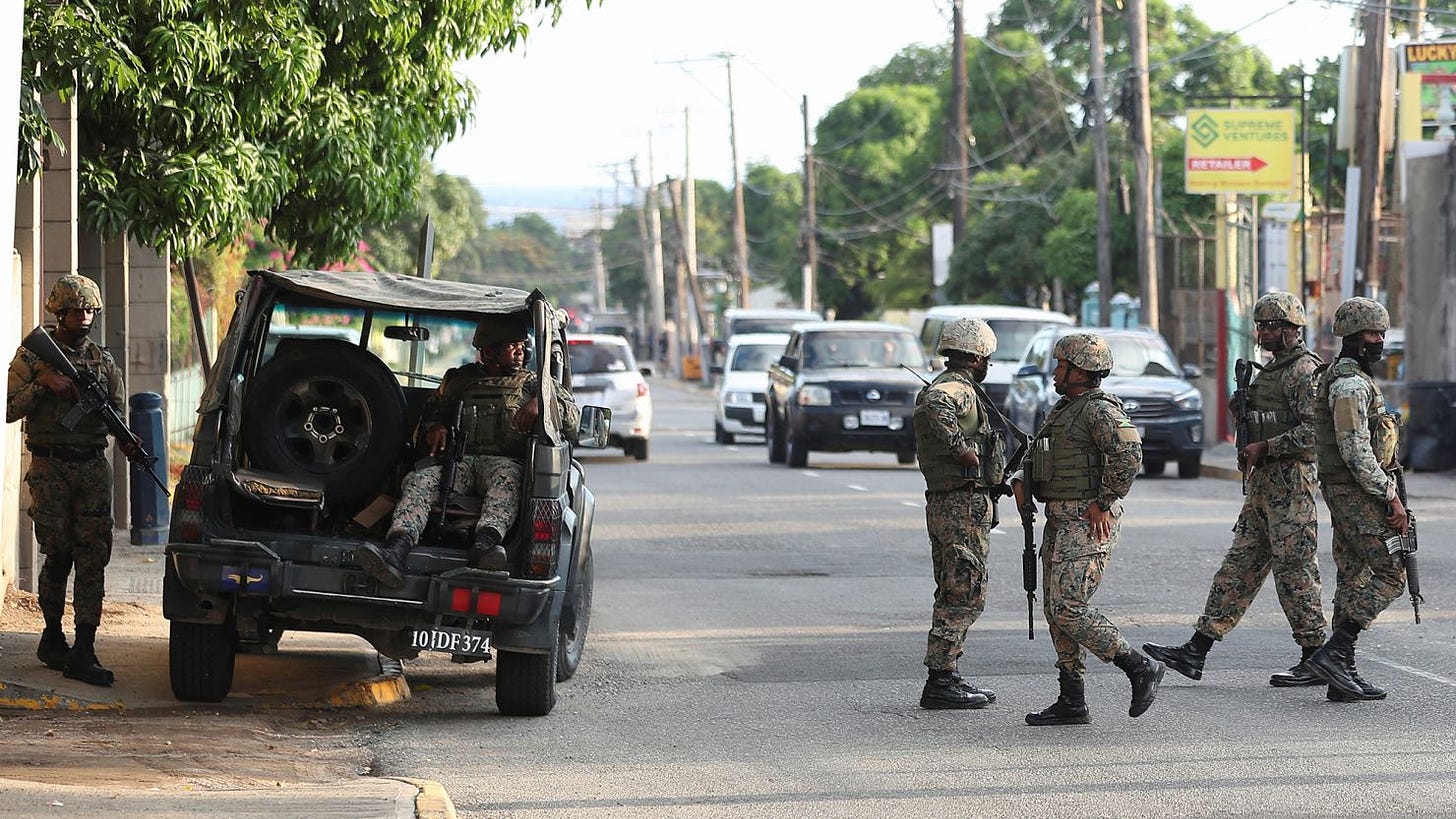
[1276,529]
[69,477]
[1356,444]
[962,460]
[1082,463]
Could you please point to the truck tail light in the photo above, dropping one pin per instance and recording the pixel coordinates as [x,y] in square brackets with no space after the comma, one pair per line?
[545,535]
[187,506]
[641,388]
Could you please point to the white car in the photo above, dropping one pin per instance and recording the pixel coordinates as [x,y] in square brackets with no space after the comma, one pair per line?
[744,381]
[1014,326]
[605,373]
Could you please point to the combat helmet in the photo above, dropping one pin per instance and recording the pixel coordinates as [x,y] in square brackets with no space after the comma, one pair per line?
[73,291]
[494,330]
[1279,306]
[1360,314]
[1085,351]
[971,336]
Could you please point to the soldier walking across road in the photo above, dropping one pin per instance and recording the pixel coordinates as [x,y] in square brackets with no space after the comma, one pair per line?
[963,458]
[1081,464]
[1356,443]
[69,476]
[1276,529]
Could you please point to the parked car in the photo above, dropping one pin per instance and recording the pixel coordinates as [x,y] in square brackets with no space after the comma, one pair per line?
[743,384]
[840,387]
[301,441]
[738,320]
[1014,327]
[1155,391]
[604,372]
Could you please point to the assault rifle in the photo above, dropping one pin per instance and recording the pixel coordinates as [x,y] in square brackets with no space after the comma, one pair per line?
[450,460]
[93,399]
[1405,545]
[1239,405]
[1028,552]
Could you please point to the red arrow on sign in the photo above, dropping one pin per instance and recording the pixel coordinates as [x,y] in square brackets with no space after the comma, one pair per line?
[1238,163]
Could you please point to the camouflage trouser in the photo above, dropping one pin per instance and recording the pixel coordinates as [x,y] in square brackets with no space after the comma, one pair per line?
[1072,565]
[1275,531]
[495,479]
[1367,577]
[959,523]
[70,502]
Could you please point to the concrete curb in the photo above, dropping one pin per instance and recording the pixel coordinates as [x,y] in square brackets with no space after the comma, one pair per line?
[432,802]
[389,686]
[30,698]
[1231,473]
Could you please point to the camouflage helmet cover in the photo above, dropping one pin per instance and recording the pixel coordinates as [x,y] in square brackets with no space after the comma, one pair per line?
[73,291]
[972,336]
[1360,314]
[1279,306]
[1085,351]
[494,330]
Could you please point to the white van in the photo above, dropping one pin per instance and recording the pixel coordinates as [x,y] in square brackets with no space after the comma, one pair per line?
[1014,326]
[753,320]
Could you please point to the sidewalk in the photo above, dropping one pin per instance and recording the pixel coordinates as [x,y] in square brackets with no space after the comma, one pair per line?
[318,671]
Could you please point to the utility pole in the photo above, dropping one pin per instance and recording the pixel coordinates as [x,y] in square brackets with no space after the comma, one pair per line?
[1370,117]
[654,231]
[740,225]
[599,267]
[1142,152]
[1097,110]
[652,274]
[959,128]
[689,228]
[811,219]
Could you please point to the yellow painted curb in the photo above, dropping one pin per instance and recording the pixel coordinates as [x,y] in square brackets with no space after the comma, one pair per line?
[14,695]
[389,687]
[432,802]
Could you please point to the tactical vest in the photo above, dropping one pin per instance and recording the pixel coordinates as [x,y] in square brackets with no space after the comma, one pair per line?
[1269,413]
[942,471]
[1065,463]
[43,425]
[1384,427]
[488,413]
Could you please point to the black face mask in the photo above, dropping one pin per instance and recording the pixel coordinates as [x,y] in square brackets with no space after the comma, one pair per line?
[1372,351]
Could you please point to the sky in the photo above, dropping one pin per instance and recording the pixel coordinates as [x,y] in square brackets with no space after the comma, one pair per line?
[561,117]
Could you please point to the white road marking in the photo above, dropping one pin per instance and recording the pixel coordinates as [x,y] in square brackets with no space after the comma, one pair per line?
[857,488]
[1407,669]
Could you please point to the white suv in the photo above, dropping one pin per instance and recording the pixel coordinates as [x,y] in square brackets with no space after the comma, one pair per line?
[740,405]
[605,373]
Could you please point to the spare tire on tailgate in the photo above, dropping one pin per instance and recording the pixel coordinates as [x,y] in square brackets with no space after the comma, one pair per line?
[329,409]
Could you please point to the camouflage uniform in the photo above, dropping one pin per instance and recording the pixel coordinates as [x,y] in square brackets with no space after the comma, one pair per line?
[1072,560]
[1276,529]
[490,471]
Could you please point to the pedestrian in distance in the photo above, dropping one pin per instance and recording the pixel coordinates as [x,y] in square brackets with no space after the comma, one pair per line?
[963,460]
[1276,529]
[496,400]
[1081,465]
[1356,447]
[69,477]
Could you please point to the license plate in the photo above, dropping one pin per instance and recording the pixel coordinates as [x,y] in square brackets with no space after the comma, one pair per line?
[758,413]
[874,418]
[452,640]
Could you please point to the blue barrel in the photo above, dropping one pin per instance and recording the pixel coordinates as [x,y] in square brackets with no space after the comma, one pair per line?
[150,510]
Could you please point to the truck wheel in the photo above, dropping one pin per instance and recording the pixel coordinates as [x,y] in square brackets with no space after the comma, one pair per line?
[777,448]
[327,409]
[525,684]
[571,642]
[1153,468]
[640,450]
[200,657]
[798,452]
[1190,469]
[905,456]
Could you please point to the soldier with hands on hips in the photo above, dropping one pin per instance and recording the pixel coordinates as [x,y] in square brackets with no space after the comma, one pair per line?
[1356,441]
[1276,529]
[499,399]
[1081,464]
[962,458]
[69,477]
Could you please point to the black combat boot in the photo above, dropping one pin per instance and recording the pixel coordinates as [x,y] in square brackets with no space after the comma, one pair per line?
[1145,675]
[53,647]
[1186,659]
[1070,707]
[81,662]
[972,687]
[946,689]
[387,564]
[488,553]
[1332,661]
[1299,674]
[1368,690]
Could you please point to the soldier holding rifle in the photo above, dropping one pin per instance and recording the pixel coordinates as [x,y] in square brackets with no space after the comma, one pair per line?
[1276,529]
[1356,447]
[69,477]
[1081,464]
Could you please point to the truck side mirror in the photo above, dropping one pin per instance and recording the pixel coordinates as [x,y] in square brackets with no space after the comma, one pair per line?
[595,427]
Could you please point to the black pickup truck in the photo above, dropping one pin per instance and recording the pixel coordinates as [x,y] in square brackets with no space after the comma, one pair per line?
[306,428]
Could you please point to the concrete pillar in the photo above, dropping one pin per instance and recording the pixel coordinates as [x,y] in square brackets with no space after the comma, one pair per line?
[26,287]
